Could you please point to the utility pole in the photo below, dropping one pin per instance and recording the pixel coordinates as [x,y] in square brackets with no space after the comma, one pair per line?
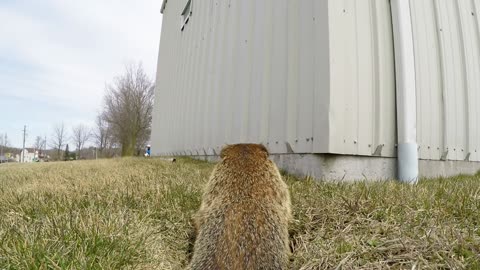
[24,135]
[4,142]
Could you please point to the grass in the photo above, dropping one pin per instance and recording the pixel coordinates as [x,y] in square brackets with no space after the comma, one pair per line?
[135,214]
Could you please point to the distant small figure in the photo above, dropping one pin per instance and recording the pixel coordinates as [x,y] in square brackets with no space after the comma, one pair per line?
[147,153]
[169,159]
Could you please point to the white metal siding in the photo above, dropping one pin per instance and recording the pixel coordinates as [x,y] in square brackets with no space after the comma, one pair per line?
[242,71]
[316,76]
[362,78]
[447,56]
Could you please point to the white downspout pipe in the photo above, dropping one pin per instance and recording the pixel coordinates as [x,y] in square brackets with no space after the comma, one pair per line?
[406,91]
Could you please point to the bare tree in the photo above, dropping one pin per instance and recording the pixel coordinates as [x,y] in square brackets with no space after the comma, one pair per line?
[39,142]
[128,106]
[102,135]
[3,143]
[81,134]
[59,138]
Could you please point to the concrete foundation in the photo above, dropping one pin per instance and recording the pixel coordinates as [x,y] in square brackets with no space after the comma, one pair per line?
[353,168]
[337,167]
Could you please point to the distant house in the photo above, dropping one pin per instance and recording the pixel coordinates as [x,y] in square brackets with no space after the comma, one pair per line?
[29,156]
[3,159]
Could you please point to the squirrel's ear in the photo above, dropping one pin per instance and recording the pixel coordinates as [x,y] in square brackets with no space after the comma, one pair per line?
[224,151]
[263,148]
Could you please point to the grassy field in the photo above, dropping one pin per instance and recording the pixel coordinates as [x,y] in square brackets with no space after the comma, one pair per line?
[135,214]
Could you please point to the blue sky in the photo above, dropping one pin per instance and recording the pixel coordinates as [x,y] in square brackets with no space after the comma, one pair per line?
[57,55]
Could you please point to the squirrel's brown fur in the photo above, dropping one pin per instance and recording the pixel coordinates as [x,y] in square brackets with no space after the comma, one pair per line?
[243,219]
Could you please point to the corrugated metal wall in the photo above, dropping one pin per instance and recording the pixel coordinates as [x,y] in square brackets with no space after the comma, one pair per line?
[447,54]
[243,71]
[314,76]
[362,112]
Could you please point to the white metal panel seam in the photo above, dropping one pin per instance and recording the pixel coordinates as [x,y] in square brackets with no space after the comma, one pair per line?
[441,57]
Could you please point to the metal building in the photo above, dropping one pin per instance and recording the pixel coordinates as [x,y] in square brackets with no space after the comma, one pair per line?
[315,81]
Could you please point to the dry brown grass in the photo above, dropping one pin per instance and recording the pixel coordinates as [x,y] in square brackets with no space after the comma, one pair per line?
[135,214]
[434,225]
